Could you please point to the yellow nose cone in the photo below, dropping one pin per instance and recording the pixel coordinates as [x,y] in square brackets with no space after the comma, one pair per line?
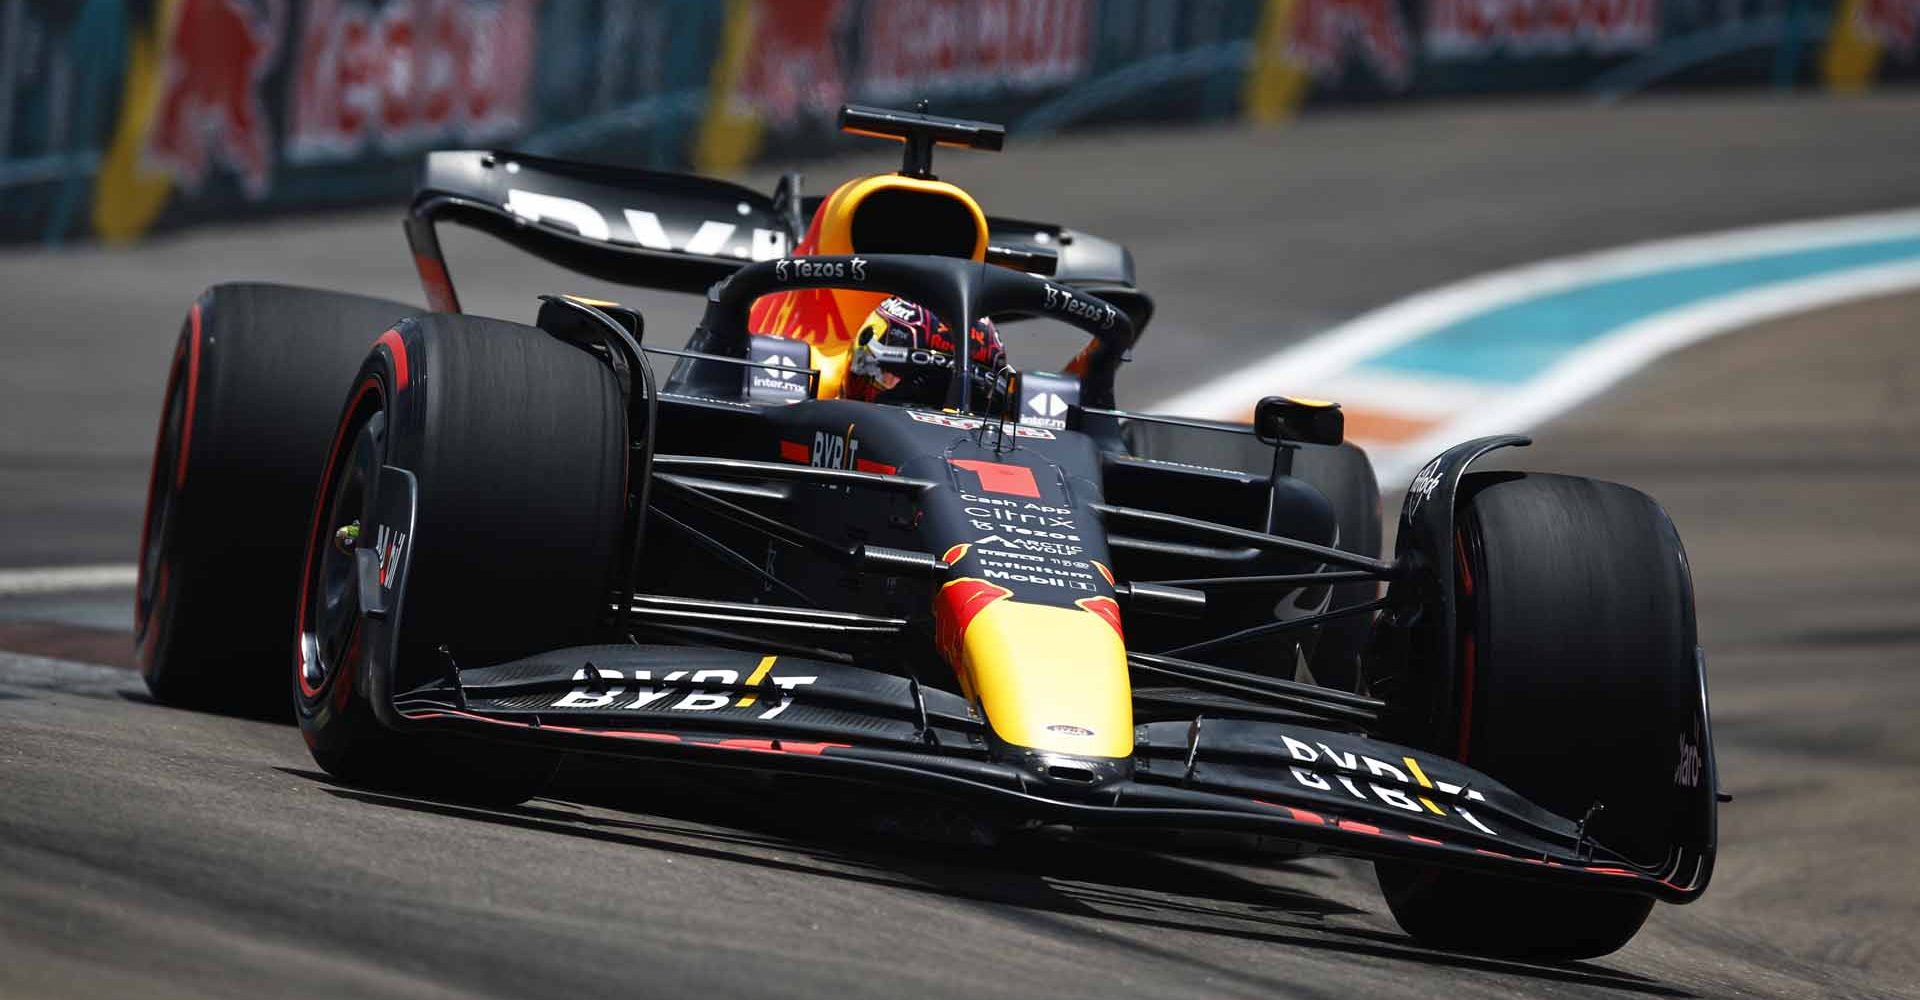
[1047,678]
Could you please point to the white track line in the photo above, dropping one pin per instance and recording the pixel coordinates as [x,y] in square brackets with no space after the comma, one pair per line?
[1299,368]
[1326,362]
[26,670]
[1587,371]
[57,579]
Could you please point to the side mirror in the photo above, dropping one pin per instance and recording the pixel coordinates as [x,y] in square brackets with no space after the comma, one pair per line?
[1279,419]
[1049,400]
[779,370]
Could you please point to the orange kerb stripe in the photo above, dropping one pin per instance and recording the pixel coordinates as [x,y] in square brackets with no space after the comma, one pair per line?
[1374,425]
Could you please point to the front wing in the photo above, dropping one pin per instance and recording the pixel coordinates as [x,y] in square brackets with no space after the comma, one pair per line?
[1341,791]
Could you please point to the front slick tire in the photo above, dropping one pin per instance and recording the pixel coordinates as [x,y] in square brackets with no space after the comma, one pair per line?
[1579,669]
[517,444]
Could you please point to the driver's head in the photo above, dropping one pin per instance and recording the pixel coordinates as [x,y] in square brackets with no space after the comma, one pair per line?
[904,354]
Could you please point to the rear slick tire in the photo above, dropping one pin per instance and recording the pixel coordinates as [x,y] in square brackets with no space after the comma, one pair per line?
[251,400]
[1579,668]
[517,443]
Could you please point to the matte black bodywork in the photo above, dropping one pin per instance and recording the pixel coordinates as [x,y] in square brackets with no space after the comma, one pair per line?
[774,612]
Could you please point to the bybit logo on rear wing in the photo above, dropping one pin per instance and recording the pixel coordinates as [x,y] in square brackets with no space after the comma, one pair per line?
[713,237]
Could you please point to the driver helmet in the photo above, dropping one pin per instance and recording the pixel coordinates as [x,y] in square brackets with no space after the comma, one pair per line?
[903,354]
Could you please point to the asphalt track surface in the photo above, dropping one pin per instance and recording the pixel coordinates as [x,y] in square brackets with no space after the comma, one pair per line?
[153,852]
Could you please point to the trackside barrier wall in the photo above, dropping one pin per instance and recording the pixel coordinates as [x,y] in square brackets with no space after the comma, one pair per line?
[125,116]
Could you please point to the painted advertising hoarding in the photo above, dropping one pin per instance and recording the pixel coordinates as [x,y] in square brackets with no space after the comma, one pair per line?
[123,116]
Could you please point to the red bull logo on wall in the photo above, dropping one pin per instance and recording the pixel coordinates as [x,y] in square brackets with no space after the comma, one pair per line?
[1895,24]
[409,74]
[406,75]
[132,114]
[911,46]
[1326,31]
[217,52]
[1457,29]
[799,66]
[794,67]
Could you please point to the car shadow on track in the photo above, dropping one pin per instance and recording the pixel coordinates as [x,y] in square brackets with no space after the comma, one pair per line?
[1046,878]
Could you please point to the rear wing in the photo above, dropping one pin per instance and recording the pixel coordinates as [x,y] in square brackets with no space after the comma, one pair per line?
[634,227]
[681,232]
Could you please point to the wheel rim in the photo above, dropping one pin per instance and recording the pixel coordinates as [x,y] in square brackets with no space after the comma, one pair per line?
[330,596]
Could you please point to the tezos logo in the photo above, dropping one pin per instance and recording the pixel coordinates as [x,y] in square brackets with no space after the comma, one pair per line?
[1061,300]
[789,268]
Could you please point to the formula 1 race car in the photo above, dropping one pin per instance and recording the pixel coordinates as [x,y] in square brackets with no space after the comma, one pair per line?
[839,534]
